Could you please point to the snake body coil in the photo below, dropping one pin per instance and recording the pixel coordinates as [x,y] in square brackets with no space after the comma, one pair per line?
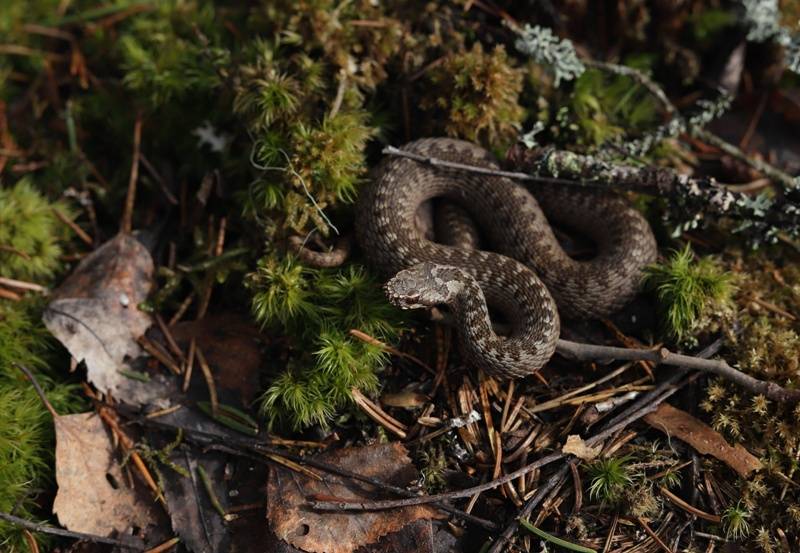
[526,276]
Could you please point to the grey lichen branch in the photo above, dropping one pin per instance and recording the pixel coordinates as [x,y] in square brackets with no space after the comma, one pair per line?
[762,217]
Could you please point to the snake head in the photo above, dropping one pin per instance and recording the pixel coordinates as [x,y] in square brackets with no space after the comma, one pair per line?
[424,285]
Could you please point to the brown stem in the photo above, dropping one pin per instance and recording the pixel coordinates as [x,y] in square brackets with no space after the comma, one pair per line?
[591,352]
[127,214]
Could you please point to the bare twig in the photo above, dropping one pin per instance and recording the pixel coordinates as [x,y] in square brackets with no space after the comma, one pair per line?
[22,285]
[768,170]
[527,510]
[436,162]
[74,226]
[212,388]
[591,352]
[131,543]
[38,389]
[127,214]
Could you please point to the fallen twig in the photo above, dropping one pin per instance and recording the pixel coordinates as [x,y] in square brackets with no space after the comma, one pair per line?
[591,352]
[127,213]
[134,543]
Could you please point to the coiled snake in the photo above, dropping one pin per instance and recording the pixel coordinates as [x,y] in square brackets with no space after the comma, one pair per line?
[528,276]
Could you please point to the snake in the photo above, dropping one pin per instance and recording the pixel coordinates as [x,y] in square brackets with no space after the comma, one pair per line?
[523,275]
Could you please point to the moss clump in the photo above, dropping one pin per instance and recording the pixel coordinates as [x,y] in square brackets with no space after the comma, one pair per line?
[306,159]
[477,93]
[605,107]
[609,478]
[688,288]
[318,308]
[30,233]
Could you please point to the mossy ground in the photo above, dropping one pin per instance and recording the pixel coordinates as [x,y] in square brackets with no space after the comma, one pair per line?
[268,115]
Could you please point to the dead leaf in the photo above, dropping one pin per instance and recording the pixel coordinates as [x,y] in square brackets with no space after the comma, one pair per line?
[93,496]
[193,517]
[95,314]
[342,532]
[577,447]
[680,424]
[232,347]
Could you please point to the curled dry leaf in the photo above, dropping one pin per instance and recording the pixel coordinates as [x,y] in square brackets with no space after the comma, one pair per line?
[95,314]
[577,447]
[342,532]
[93,496]
[680,424]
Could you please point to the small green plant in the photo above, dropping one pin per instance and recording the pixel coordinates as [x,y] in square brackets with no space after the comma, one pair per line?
[734,520]
[608,479]
[687,288]
[434,463]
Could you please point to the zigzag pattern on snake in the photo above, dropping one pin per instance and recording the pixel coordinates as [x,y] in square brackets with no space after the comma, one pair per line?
[528,277]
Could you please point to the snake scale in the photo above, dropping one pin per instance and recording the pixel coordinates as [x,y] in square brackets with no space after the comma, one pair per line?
[527,277]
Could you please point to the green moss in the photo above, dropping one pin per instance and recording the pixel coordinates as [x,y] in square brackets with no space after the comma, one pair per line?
[30,233]
[734,520]
[608,479]
[319,308]
[477,94]
[162,57]
[686,288]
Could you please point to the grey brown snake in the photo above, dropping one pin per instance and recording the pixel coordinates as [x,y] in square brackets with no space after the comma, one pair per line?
[527,277]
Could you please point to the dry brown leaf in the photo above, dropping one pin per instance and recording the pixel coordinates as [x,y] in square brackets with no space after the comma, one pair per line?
[232,347]
[95,314]
[680,424]
[86,467]
[577,447]
[342,532]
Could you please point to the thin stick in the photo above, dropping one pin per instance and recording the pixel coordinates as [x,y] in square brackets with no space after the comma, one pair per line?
[379,415]
[363,336]
[591,352]
[38,389]
[155,350]
[187,372]
[691,509]
[44,529]
[212,388]
[22,285]
[184,306]
[74,226]
[9,295]
[436,162]
[164,546]
[766,169]
[173,346]
[653,535]
[531,504]
[127,214]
